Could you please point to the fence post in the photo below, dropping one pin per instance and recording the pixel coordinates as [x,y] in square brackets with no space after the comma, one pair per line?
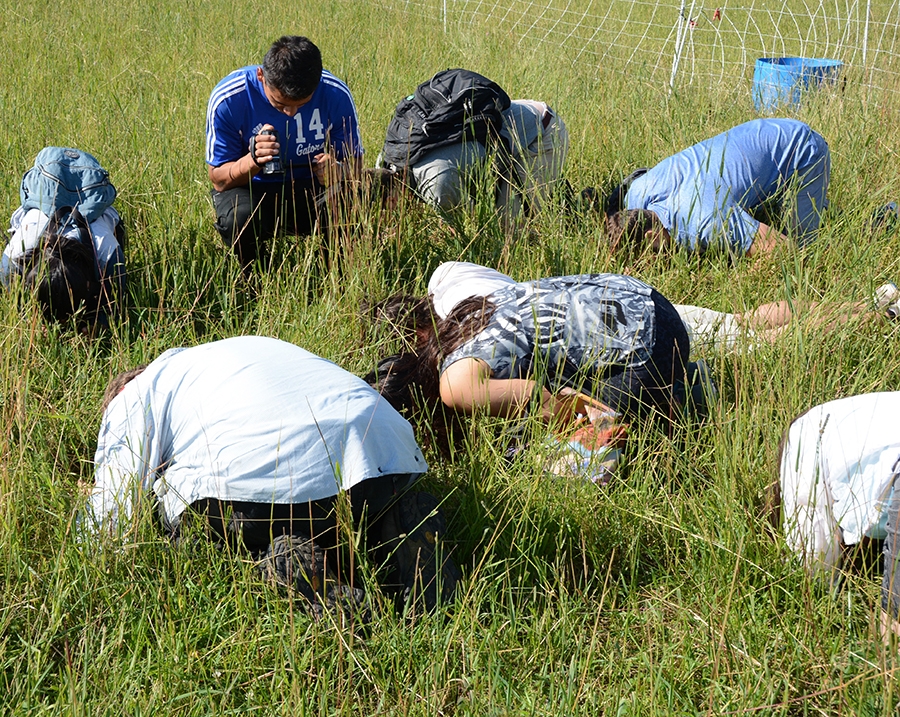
[680,36]
[866,31]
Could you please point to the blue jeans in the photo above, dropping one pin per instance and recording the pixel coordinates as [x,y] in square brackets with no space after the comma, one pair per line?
[807,196]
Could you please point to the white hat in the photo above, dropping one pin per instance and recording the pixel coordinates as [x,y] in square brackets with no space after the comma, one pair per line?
[454,281]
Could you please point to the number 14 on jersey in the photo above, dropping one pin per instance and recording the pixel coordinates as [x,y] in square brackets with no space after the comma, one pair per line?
[315,126]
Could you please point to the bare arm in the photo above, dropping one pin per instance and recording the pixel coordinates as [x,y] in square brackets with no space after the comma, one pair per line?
[467,386]
[239,172]
[233,174]
[766,240]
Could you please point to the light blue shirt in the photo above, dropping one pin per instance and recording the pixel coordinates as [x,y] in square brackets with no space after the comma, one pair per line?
[702,194]
[248,419]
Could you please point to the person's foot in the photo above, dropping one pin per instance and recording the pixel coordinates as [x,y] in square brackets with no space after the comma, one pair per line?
[887,300]
[412,531]
[701,389]
[886,218]
[296,562]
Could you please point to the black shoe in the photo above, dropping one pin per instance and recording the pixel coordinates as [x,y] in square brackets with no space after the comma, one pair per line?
[886,219]
[701,392]
[296,562]
[590,200]
[412,531]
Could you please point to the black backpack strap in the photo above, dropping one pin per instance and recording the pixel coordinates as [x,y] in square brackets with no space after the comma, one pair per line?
[615,201]
[66,218]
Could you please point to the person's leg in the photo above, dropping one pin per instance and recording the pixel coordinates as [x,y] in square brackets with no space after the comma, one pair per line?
[442,175]
[769,321]
[710,330]
[808,193]
[295,545]
[404,532]
[300,214]
[540,166]
[635,390]
[408,538]
[890,585]
[246,219]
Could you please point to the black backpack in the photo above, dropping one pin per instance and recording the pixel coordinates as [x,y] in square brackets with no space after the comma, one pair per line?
[452,107]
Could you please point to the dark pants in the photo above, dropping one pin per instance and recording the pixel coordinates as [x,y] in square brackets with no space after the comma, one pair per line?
[890,585]
[248,217]
[255,524]
[633,390]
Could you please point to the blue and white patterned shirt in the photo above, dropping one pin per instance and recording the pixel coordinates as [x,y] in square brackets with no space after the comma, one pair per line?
[569,329]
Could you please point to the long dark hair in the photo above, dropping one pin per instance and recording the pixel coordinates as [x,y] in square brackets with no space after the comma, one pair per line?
[60,271]
[410,380]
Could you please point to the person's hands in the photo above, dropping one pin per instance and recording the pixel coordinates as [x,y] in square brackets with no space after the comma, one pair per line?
[564,409]
[593,423]
[327,169]
[264,147]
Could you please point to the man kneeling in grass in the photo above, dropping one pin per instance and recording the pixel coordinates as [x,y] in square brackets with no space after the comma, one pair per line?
[258,438]
[706,195]
[840,469]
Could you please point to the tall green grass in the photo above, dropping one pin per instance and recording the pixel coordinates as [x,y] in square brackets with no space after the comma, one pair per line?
[662,593]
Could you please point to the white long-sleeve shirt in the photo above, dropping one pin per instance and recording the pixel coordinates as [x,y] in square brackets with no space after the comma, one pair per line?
[26,228]
[837,469]
[248,419]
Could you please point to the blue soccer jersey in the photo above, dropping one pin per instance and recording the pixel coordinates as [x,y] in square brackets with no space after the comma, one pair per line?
[703,194]
[238,109]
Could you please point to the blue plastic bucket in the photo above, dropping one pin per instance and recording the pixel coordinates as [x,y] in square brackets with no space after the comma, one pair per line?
[780,81]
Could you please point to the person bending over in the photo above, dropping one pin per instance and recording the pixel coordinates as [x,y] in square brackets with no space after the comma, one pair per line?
[705,195]
[535,345]
[454,281]
[74,268]
[839,471]
[258,437]
[528,154]
[317,144]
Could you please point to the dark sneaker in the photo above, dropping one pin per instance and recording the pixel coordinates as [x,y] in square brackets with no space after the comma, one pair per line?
[296,562]
[701,389]
[412,531]
[886,219]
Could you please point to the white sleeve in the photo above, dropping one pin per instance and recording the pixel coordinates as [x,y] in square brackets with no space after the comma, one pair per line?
[810,528]
[26,229]
[125,465]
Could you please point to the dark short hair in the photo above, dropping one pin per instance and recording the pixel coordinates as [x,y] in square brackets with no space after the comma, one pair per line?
[293,66]
[118,382]
[62,274]
[626,229]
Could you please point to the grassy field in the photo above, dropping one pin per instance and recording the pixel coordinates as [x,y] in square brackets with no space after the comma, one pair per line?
[662,594]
